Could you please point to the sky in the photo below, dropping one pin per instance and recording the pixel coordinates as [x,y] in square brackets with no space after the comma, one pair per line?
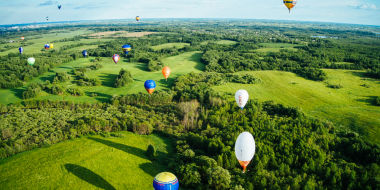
[366,12]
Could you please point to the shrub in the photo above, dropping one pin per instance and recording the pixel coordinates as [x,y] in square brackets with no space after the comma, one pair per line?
[151,152]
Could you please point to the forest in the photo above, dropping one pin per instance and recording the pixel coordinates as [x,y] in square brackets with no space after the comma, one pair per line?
[293,150]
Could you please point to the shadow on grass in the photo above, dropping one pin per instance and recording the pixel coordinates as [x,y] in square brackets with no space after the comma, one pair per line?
[370,100]
[88,176]
[49,77]
[197,58]
[18,92]
[101,97]
[141,66]
[166,84]
[150,168]
[108,79]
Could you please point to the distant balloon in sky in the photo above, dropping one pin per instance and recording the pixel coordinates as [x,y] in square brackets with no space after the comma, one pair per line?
[290,4]
[31,61]
[84,53]
[137,18]
[150,85]
[165,181]
[166,72]
[116,58]
[22,38]
[47,46]
[47,18]
[59,6]
[241,97]
[245,149]
[126,49]
[21,50]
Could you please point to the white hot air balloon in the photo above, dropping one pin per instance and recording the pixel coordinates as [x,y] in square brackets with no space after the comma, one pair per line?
[245,149]
[241,98]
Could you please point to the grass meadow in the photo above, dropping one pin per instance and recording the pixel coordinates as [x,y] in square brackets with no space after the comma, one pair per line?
[350,105]
[224,42]
[179,65]
[91,162]
[275,47]
[169,45]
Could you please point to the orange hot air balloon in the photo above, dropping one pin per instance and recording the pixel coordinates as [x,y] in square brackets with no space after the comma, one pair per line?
[22,38]
[166,72]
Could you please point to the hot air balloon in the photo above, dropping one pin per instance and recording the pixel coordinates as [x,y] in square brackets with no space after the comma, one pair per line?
[137,18]
[245,149]
[21,50]
[31,61]
[22,38]
[116,58]
[165,181]
[241,97]
[47,18]
[290,4]
[47,46]
[150,85]
[84,53]
[166,72]
[59,6]
[51,46]
[126,49]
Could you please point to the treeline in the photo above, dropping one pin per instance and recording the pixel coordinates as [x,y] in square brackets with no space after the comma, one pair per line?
[83,80]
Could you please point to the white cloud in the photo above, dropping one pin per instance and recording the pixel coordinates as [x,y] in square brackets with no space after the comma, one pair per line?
[368,6]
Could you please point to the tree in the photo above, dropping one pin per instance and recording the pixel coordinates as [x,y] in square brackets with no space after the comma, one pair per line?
[151,152]
[218,178]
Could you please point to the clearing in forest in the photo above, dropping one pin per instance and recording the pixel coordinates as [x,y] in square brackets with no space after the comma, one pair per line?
[91,162]
[170,45]
[120,34]
[350,106]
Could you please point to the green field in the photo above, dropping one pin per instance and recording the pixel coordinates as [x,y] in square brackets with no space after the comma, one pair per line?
[47,38]
[180,64]
[169,45]
[90,162]
[223,42]
[275,47]
[350,106]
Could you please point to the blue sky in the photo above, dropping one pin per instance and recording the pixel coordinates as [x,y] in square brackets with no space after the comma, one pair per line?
[341,11]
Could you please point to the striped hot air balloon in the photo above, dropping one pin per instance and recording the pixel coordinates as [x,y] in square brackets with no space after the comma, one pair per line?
[165,181]
[22,38]
[21,50]
[245,149]
[47,46]
[150,85]
[137,18]
[116,58]
[126,49]
[290,4]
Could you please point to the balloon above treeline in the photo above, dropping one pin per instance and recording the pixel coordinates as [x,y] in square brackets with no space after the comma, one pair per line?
[47,18]
[84,53]
[245,149]
[241,97]
[150,85]
[116,58]
[59,6]
[137,18]
[166,72]
[126,49]
[21,50]
[31,61]
[165,181]
[290,4]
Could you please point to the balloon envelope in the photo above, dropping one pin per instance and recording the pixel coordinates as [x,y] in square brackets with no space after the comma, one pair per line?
[59,6]
[51,46]
[245,149]
[166,72]
[126,49]
[31,61]
[20,50]
[47,18]
[22,37]
[116,58]
[290,4]
[165,181]
[47,46]
[241,97]
[84,53]
[137,18]
[150,85]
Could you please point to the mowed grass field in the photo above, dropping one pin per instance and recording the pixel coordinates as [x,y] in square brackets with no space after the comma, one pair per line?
[275,47]
[179,65]
[91,162]
[350,106]
[224,42]
[169,45]
[48,38]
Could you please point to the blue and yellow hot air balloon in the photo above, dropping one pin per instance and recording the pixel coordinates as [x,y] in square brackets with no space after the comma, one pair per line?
[126,49]
[21,50]
[290,4]
[165,181]
[150,85]
[137,18]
